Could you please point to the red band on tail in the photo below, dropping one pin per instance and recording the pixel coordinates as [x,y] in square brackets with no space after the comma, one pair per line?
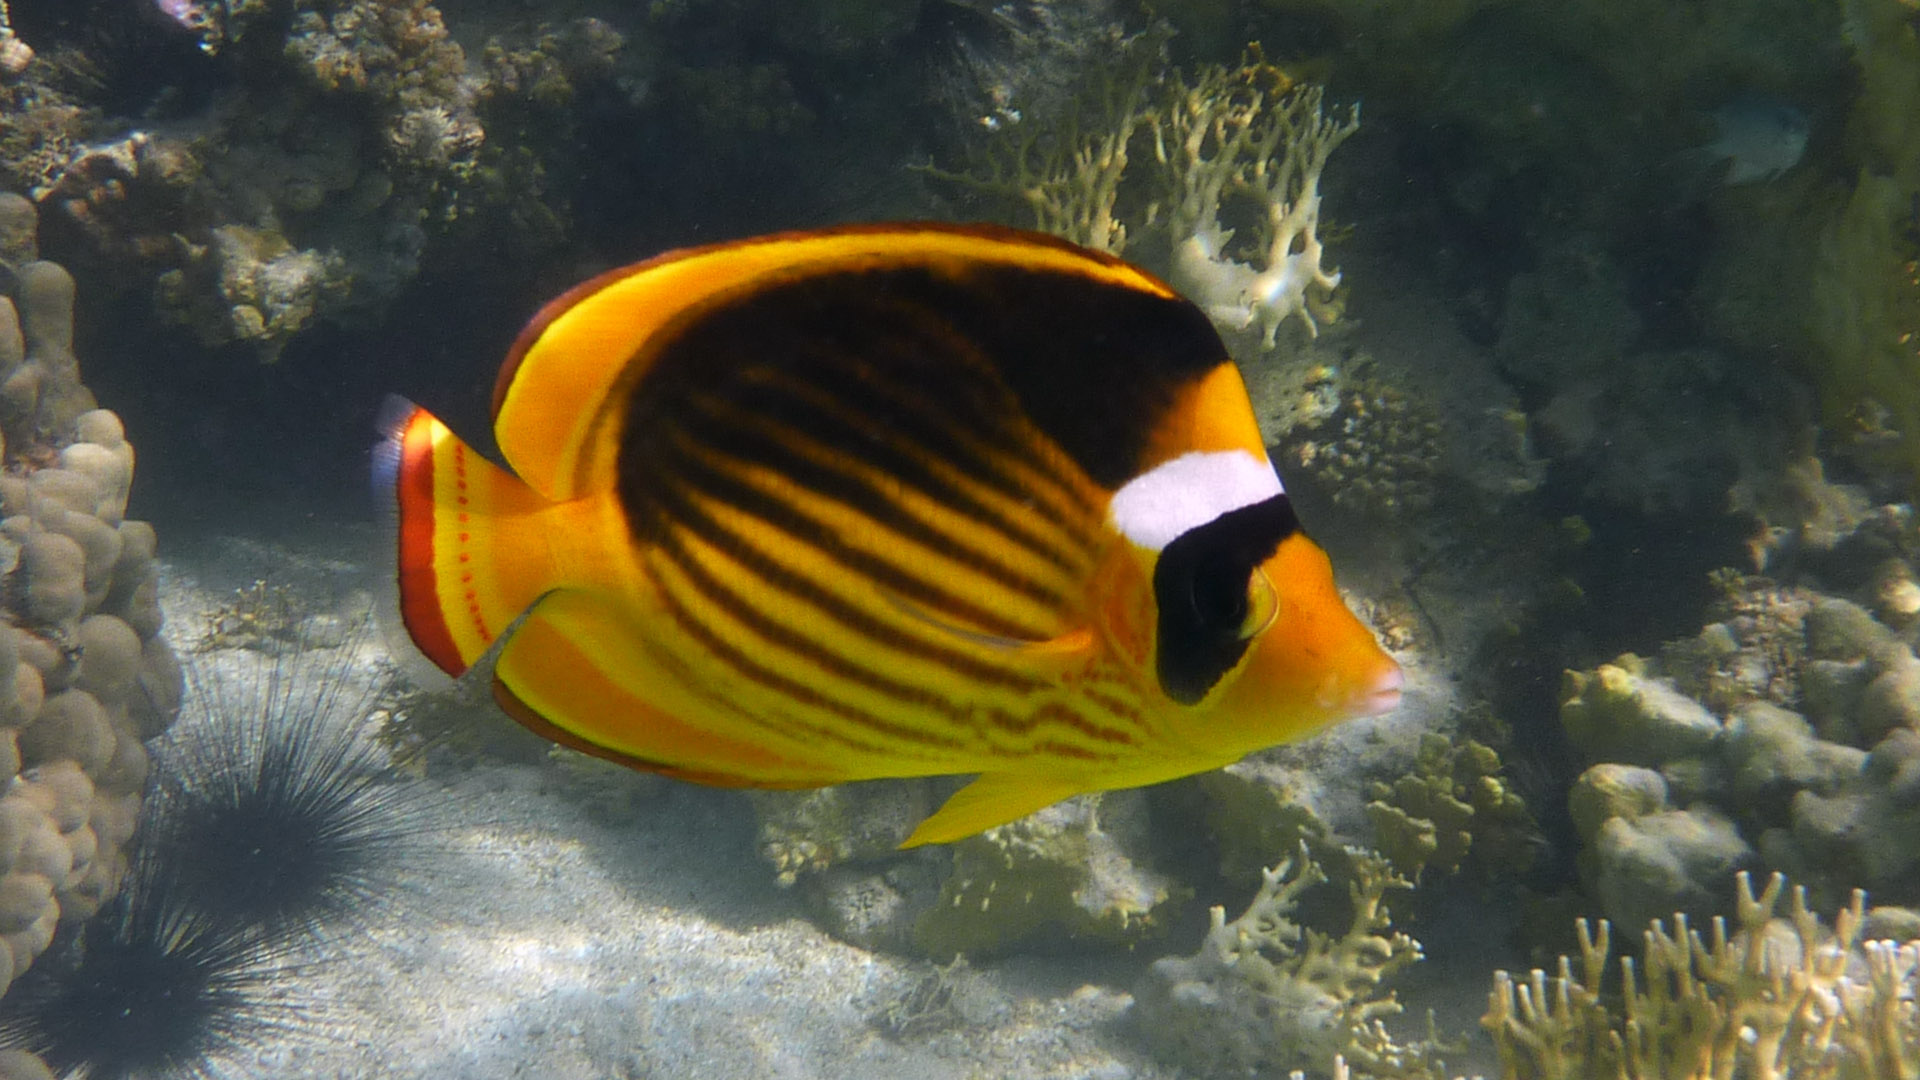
[404,464]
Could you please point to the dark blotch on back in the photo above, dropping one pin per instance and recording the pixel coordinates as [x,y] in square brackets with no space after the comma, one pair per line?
[1200,585]
[1093,365]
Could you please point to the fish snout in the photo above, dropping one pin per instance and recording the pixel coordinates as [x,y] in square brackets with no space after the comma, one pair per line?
[1381,693]
[1369,688]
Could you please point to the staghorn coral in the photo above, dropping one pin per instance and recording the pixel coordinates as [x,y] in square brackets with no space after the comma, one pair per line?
[1264,992]
[1763,998]
[1062,151]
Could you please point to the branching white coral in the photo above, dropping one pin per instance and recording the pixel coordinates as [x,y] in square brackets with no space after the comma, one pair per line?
[1237,148]
[1264,992]
[1247,134]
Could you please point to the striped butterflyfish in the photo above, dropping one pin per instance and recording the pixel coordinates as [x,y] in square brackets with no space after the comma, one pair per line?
[879,501]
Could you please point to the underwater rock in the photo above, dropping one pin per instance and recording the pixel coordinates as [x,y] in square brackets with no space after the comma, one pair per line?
[1608,791]
[1650,866]
[1771,754]
[873,907]
[1863,834]
[1621,712]
[808,831]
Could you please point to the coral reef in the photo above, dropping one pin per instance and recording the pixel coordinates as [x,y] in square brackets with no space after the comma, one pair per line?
[1784,735]
[1236,144]
[1249,134]
[1265,993]
[1453,803]
[1762,997]
[277,206]
[1081,872]
[1085,872]
[1375,448]
[85,677]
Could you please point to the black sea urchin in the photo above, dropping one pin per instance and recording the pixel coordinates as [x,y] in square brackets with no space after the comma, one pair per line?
[276,808]
[149,987]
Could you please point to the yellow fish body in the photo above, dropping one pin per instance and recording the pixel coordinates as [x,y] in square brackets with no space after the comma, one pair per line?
[878,502]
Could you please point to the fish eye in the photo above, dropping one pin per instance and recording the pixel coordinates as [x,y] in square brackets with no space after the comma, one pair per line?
[1244,609]
[1218,598]
[1262,605]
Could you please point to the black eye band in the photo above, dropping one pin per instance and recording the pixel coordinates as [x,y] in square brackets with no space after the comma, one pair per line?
[1200,584]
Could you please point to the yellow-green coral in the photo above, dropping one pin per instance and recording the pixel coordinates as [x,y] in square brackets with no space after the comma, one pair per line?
[1076,871]
[1432,816]
[1765,1001]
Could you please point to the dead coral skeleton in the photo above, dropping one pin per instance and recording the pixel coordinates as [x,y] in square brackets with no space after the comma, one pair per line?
[1771,1000]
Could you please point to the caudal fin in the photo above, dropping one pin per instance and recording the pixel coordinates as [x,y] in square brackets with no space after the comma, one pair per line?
[470,552]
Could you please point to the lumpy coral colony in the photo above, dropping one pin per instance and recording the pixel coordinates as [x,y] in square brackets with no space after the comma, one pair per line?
[85,677]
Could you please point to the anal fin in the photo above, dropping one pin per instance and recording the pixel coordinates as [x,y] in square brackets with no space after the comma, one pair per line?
[578,672]
[993,798]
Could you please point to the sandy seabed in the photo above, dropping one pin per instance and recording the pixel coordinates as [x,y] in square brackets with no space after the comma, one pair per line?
[539,938]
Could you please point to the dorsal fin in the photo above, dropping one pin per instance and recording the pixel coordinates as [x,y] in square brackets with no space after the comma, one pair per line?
[560,393]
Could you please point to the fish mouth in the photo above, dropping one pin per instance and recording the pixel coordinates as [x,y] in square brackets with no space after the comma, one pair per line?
[1382,695]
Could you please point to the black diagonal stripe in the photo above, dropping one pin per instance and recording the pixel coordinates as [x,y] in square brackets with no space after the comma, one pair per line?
[1062,715]
[684,510]
[799,692]
[779,722]
[888,376]
[772,445]
[778,634]
[887,416]
[698,471]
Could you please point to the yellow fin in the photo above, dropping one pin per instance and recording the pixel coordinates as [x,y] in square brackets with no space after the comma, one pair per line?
[576,671]
[992,799]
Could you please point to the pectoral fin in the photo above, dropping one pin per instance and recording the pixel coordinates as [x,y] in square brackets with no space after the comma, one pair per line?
[1072,643]
[992,799]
